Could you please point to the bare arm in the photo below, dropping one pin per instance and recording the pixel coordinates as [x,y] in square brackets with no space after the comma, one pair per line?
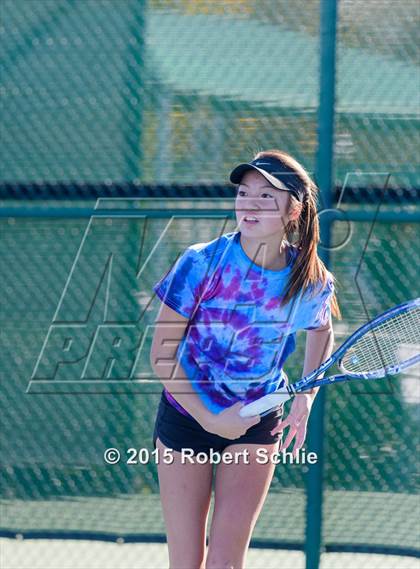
[319,347]
[169,331]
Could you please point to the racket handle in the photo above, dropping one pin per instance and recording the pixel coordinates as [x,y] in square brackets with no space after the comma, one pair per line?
[264,404]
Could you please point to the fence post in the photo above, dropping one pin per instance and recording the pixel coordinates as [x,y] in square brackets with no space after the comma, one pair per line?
[324,179]
[134,93]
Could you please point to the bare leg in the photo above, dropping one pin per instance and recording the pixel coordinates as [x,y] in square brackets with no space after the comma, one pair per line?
[185,493]
[240,493]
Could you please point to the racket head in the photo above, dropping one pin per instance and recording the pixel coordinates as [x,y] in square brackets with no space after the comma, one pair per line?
[385,346]
[264,404]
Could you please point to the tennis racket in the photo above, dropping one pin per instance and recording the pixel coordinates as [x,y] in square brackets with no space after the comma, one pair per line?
[387,345]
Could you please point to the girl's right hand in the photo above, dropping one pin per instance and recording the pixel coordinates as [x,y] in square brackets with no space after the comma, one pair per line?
[229,424]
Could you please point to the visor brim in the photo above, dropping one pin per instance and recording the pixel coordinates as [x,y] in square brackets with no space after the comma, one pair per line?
[237,174]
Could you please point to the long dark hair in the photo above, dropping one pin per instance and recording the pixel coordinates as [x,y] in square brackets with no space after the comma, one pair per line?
[308,269]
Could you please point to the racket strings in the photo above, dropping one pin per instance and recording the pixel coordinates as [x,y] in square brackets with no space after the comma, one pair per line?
[390,343]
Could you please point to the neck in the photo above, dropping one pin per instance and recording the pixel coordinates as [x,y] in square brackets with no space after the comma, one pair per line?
[269,252]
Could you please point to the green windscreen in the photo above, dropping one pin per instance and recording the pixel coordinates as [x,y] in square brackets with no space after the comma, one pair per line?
[120,121]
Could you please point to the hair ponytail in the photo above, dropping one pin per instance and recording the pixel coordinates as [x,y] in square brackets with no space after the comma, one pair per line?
[308,270]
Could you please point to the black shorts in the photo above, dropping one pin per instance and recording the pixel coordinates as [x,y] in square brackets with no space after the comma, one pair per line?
[177,431]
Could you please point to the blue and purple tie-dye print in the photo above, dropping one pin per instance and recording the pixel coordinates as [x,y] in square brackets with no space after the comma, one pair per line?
[238,336]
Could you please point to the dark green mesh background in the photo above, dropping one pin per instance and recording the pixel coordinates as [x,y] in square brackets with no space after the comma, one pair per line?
[116,98]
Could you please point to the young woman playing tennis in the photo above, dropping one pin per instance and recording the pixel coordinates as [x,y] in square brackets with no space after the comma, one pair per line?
[230,312]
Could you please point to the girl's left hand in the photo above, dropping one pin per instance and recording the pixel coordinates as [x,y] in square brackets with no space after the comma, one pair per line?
[297,421]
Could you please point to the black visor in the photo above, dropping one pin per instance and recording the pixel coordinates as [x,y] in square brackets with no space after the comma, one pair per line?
[274,171]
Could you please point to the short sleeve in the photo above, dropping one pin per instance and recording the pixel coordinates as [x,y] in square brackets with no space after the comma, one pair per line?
[317,311]
[178,288]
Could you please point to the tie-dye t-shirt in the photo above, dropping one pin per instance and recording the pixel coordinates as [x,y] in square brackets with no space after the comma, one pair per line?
[238,336]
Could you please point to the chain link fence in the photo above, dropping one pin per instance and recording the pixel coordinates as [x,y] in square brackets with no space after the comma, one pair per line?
[147,106]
